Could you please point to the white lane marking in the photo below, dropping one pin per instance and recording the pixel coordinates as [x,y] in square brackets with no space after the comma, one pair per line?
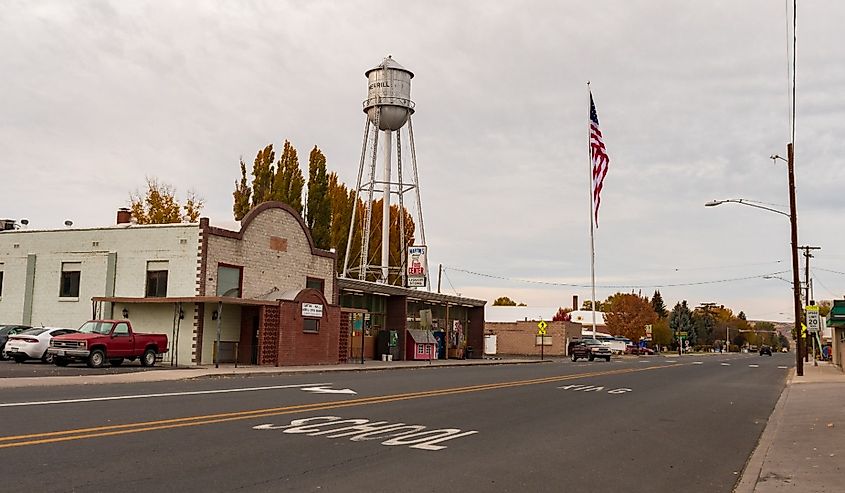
[698,362]
[754,366]
[166,394]
[324,389]
[783,367]
[726,364]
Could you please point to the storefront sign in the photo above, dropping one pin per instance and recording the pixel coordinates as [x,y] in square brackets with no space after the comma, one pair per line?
[312,310]
[417,274]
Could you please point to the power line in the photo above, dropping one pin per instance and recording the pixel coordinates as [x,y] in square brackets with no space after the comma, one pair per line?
[612,286]
[828,270]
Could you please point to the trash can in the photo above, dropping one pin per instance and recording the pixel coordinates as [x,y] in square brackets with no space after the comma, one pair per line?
[468,353]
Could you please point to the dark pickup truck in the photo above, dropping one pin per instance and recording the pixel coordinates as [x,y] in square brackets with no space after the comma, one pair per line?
[114,341]
[588,348]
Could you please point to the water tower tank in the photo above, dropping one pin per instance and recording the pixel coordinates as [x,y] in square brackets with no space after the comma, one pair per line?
[389,95]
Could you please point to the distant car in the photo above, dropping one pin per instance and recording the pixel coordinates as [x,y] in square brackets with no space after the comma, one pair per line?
[765,350]
[588,348]
[752,349]
[784,350]
[33,343]
[637,350]
[5,332]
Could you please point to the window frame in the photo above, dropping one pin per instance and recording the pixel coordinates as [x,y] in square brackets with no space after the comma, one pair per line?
[240,269]
[322,282]
[153,277]
[305,328]
[70,275]
[123,334]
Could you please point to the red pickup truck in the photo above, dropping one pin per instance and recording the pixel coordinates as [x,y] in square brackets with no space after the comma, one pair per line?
[99,341]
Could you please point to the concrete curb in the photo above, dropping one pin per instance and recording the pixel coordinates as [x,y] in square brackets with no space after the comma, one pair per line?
[203,373]
[751,473]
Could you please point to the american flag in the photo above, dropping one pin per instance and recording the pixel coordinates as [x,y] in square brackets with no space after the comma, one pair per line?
[598,158]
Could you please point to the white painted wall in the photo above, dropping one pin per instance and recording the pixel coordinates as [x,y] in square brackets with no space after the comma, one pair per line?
[230,329]
[134,245]
[158,319]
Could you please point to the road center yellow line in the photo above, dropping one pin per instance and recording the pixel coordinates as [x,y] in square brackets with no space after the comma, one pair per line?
[145,426]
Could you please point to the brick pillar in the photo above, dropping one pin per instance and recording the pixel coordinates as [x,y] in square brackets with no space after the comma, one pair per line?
[343,337]
[268,341]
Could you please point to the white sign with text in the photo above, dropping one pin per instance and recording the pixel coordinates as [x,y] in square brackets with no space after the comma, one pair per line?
[314,310]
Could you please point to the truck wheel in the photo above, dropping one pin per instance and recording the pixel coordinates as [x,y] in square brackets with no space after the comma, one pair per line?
[116,361]
[590,357]
[96,358]
[59,361]
[149,357]
[574,358]
[608,359]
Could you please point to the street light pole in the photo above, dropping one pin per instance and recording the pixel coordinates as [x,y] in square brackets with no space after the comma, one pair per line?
[796,282]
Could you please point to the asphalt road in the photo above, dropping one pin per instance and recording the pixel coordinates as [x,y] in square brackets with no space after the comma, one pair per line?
[649,424]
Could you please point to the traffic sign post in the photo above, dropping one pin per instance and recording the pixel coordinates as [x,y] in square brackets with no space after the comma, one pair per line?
[541,332]
[813,327]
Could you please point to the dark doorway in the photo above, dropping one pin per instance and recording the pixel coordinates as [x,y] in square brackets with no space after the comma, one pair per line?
[248,345]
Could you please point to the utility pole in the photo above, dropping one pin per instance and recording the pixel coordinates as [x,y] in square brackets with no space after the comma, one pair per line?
[796,280]
[807,300]
[439,274]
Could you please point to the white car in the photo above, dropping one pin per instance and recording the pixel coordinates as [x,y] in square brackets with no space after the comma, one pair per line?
[33,343]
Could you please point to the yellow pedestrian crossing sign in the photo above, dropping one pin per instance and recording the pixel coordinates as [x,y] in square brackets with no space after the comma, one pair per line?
[541,328]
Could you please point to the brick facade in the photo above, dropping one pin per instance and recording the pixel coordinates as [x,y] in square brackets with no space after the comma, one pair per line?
[297,347]
[520,338]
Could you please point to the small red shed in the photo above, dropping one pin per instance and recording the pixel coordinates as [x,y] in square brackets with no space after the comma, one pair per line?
[420,345]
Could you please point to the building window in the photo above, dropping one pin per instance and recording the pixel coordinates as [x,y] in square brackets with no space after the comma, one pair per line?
[229,279]
[420,349]
[69,283]
[315,283]
[1,280]
[311,325]
[156,279]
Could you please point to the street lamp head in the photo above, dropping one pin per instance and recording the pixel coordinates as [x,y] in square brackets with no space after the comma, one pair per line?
[714,203]
[775,156]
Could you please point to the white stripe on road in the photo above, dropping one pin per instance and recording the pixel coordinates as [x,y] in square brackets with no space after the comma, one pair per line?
[783,367]
[726,364]
[698,362]
[754,366]
[167,394]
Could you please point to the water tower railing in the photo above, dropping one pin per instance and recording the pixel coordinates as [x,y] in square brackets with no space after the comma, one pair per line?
[388,101]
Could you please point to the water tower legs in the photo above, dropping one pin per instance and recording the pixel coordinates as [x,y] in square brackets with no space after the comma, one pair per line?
[385,218]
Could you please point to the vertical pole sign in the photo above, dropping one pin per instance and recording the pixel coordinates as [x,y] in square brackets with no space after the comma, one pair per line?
[813,327]
[541,333]
[417,274]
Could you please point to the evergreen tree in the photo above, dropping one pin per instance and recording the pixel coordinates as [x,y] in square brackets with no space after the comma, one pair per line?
[741,315]
[680,320]
[318,214]
[288,182]
[658,305]
[241,195]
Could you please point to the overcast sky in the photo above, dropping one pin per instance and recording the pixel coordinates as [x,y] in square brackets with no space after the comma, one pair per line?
[691,96]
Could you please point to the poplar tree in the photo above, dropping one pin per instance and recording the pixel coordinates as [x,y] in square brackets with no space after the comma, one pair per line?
[262,175]
[241,195]
[318,213]
[288,182]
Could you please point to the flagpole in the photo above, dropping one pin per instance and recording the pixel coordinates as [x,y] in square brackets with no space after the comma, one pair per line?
[592,220]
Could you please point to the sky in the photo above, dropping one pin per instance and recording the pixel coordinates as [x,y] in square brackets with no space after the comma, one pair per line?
[692,99]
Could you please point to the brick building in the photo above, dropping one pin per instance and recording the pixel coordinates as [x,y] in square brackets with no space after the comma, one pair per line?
[265,292]
[521,339]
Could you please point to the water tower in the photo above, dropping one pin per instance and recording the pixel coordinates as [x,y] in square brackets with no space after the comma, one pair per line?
[388,109]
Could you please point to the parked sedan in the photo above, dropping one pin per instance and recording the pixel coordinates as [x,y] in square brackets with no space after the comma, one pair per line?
[5,332]
[33,343]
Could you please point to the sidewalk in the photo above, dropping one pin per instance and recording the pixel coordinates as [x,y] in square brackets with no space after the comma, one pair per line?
[802,448]
[161,375]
